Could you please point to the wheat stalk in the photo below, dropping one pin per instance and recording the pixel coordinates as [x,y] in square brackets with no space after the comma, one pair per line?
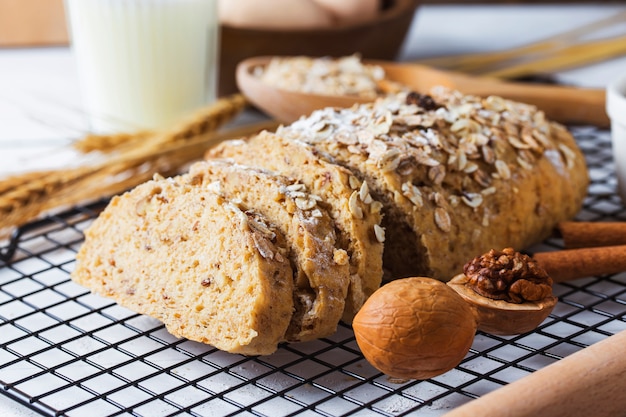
[28,196]
[108,143]
[38,188]
[205,120]
[15,181]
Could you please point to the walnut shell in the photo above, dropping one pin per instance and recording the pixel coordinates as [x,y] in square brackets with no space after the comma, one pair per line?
[501,317]
[414,328]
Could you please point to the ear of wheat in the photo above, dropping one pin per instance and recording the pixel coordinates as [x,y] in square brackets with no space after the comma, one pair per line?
[126,163]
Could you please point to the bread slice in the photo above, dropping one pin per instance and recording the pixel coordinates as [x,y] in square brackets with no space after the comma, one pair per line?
[457,175]
[182,254]
[356,215]
[321,270]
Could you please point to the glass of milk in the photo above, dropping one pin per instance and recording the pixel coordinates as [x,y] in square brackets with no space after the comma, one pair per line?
[143,64]
[616,109]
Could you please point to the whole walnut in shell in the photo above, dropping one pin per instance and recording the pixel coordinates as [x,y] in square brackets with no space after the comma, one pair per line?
[414,328]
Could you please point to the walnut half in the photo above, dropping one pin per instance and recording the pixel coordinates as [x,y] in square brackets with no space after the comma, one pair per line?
[508,275]
[509,291]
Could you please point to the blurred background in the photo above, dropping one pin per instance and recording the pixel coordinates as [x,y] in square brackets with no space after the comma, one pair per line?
[387,35]
[581,43]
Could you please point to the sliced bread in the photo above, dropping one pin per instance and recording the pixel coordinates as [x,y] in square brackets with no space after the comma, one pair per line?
[321,269]
[190,258]
[356,215]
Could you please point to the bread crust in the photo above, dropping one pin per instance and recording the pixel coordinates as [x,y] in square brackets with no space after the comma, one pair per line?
[457,175]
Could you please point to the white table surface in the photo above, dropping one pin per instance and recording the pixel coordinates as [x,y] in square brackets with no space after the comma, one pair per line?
[41,111]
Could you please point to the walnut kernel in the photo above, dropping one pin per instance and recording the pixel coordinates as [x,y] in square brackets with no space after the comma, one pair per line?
[508,275]
[510,293]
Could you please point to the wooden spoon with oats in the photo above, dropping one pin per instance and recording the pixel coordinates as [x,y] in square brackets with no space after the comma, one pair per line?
[568,105]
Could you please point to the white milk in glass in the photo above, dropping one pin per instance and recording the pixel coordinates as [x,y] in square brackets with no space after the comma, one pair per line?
[144,64]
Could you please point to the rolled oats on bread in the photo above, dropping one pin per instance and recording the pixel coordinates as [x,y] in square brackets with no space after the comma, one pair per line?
[356,215]
[457,175]
[210,271]
[321,270]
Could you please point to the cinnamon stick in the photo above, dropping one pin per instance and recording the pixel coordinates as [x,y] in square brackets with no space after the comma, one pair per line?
[572,264]
[590,234]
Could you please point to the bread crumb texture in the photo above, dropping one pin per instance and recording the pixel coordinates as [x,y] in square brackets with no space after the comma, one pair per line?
[321,272]
[188,257]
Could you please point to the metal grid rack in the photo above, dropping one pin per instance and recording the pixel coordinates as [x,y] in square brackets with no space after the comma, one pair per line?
[69,353]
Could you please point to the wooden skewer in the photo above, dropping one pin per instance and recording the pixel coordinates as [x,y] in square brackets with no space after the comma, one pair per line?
[589,382]
[481,61]
[568,57]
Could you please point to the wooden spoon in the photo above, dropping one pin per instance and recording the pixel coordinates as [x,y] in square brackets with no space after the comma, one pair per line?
[504,318]
[568,105]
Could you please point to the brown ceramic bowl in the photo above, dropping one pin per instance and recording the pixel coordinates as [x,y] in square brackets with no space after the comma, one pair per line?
[381,38]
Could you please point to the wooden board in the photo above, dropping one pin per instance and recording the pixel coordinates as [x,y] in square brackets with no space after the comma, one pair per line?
[32,23]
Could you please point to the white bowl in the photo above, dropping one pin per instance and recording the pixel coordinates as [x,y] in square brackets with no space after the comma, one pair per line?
[616,109]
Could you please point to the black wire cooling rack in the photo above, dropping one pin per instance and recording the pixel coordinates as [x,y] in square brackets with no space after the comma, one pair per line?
[66,352]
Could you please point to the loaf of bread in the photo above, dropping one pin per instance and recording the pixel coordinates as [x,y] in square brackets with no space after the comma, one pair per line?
[186,256]
[457,174]
[279,236]
[356,215]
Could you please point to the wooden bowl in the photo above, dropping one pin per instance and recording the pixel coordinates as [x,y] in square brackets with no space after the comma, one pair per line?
[381,38]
